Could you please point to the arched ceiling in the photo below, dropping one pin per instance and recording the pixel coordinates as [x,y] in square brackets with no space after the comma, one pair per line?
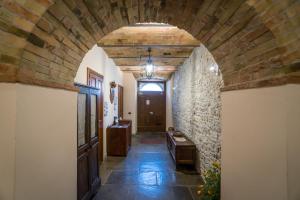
[256,43]
[128,47]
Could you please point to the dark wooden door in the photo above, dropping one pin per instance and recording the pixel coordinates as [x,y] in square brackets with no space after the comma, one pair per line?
[88,179]
[95,80]
[120,101]
[151,110]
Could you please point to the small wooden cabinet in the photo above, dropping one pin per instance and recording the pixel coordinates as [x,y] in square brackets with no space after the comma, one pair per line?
[183,153]
[119,138]
[129,122]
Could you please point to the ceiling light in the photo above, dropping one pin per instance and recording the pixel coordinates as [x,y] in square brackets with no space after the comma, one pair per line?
[149,68]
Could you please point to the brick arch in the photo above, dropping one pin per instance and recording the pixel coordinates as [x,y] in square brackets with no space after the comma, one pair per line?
[255,42]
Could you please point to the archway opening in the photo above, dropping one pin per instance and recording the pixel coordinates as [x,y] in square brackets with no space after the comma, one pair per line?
[193,79]
[255,43]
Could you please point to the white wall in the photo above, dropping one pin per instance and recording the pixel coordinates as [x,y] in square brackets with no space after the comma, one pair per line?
[97,60]
[7,140]
[260,144]
[169,95]
[46,151]
[130,100]
[39,126]
[293,141]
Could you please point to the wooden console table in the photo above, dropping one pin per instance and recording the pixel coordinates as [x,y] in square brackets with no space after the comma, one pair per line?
[118,138]
[129,122]
[183,153]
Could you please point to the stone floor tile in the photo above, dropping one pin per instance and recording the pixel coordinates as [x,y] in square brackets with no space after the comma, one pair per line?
[148,172]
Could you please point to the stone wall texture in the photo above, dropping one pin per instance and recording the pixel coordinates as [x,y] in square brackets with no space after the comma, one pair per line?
[197,105]
[256,43]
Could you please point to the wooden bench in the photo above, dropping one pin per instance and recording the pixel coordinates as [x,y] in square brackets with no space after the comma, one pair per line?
[183,153]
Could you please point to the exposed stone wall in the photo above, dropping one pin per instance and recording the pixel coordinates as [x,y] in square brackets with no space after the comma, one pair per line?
[197,104]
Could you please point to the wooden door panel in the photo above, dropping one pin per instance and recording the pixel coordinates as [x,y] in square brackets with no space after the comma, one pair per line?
[87,135]
[153,114]
[94,140]
[83,191]
[93,154]
[94,167]
[151,111]
[95,80]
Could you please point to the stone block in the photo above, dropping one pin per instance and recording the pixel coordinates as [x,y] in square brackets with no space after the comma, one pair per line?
[35,40]
[9,59]
[19,10]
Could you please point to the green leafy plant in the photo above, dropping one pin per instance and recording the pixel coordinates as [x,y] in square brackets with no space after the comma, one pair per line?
[211,188]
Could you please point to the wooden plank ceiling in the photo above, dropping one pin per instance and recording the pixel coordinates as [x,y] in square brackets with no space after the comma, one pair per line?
[128,47]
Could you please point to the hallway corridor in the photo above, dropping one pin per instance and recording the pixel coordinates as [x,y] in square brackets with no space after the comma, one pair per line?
[148,172]
[85,81]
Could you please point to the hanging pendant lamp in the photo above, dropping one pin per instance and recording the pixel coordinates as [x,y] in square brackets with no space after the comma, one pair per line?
[149,68]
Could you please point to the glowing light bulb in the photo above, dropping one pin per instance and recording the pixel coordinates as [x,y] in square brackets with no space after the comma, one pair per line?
[149,68]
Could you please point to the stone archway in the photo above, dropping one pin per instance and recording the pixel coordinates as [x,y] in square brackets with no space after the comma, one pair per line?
[255,43]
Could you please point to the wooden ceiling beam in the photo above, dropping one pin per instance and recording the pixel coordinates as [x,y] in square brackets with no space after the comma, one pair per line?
[118,52]
[152,57]
[128,47]
[143,61]
[150,25]
[159,76]
[141,35]
[141,68]
[157,72]
[146,45]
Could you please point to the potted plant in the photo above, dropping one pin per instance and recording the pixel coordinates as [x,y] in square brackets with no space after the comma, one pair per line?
[211,188]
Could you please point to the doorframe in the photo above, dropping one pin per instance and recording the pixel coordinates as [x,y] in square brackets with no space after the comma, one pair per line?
[100,112]
[137,104]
